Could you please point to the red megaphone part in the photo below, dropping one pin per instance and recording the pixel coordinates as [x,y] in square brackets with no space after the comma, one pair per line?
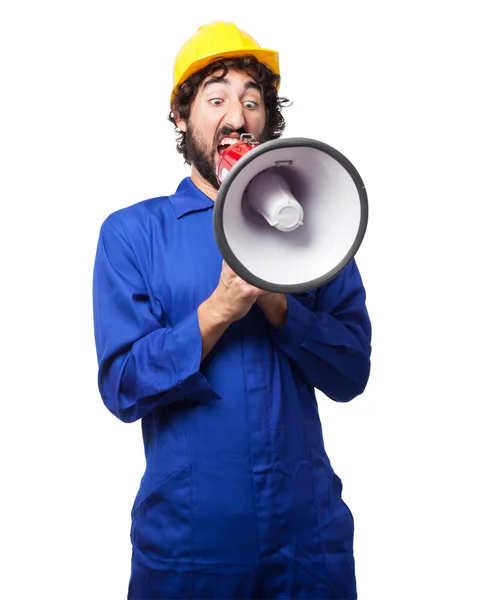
[233,154]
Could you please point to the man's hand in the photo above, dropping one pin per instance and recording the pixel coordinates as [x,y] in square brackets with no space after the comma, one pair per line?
[231,300]
[233,297]
[275,308]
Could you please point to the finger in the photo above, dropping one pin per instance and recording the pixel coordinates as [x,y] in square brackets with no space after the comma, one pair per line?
[227,269]
[225,281]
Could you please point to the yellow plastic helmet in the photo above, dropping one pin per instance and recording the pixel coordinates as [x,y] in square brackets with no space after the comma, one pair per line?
[218,39]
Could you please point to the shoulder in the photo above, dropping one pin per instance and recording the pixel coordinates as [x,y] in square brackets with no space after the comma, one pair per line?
[138,218]
[140,211]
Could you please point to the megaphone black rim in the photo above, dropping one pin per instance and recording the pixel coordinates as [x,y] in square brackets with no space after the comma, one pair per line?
[225,248]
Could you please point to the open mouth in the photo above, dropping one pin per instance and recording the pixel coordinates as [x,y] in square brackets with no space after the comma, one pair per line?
[225,144]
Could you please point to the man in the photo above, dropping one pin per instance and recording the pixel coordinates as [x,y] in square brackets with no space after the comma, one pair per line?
[238,498]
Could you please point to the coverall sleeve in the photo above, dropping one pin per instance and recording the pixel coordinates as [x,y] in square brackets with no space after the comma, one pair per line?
[330,340]
[143,362]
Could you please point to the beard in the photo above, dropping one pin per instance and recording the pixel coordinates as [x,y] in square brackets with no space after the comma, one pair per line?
[202,158]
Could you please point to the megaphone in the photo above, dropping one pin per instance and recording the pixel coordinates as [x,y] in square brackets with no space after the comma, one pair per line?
[290,213]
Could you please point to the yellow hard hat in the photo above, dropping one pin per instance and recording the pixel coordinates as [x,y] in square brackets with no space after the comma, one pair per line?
[218,39]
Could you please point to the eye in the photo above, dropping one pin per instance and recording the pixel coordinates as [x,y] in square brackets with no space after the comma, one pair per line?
[250,104]
[216,101]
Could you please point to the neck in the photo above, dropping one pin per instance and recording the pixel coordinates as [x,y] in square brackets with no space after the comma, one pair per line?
[202,184]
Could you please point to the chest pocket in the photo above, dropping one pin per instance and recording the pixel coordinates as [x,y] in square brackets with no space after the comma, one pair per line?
[187,281]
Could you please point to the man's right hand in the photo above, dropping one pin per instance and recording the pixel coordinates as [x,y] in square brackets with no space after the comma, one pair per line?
[234,297]
[231,300]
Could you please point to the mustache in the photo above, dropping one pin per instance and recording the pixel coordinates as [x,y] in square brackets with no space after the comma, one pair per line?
[227,131]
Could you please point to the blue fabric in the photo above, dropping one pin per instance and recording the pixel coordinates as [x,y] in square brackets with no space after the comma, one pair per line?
[238,498]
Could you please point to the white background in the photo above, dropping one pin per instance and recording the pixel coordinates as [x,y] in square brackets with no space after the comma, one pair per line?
[84,100]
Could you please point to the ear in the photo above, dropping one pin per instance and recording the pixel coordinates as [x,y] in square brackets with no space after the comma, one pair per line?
[180,123]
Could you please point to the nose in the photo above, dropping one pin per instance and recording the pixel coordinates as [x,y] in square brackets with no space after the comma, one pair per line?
[234,118]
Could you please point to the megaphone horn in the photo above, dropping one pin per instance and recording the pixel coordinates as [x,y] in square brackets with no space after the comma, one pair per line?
[290,213]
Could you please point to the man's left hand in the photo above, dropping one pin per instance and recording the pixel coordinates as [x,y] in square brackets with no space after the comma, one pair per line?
[275,307]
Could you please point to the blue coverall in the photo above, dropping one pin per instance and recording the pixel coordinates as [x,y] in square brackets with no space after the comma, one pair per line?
[238,498]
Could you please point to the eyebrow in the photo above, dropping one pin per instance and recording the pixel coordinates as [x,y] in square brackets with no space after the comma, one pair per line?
[250,85]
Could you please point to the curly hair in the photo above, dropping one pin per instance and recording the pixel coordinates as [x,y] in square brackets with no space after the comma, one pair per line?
[186,93]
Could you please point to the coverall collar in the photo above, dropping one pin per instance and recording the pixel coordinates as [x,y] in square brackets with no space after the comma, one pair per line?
[188,198]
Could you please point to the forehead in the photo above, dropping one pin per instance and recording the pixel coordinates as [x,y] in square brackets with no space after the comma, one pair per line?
[233,80]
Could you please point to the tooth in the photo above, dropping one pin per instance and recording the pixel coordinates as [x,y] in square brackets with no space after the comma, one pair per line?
[228,141]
